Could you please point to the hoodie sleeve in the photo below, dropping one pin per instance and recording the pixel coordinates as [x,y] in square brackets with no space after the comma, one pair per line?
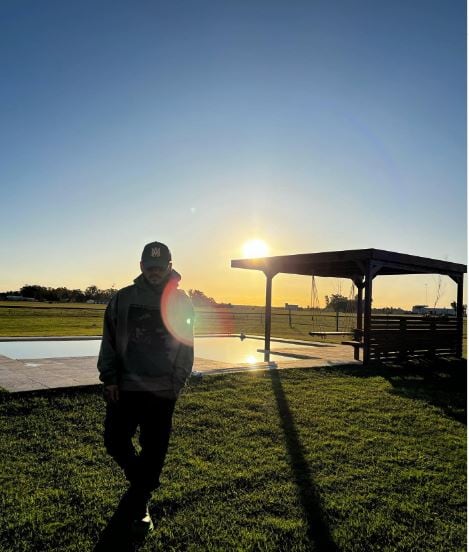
[108,360]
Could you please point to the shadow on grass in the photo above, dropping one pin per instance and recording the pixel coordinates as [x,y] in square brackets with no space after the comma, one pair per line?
[318,530]
[116,536]
[441,383]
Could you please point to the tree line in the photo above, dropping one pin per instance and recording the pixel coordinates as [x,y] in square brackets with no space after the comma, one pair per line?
[199,299]
[92,293]
[62,294]
[339,303]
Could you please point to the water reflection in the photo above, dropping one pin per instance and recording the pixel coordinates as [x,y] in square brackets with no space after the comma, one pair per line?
[222,349]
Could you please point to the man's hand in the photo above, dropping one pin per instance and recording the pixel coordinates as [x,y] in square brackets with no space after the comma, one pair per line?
[111,393]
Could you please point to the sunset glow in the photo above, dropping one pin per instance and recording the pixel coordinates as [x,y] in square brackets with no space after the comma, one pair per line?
[261,131]
[255,248]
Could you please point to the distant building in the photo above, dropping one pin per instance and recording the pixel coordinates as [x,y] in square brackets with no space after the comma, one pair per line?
[437,311]
[291,307]
[440,311]
[19,298]
[419,309]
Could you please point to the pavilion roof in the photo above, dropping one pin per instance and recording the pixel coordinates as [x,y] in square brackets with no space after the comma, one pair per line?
[350,264]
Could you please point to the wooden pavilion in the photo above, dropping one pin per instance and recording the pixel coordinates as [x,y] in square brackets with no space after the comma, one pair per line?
[380,337]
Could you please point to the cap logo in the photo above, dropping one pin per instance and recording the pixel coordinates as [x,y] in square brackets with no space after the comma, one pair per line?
[156,251]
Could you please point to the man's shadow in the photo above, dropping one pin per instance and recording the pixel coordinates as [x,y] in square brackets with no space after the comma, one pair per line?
[317,528]
[117,535]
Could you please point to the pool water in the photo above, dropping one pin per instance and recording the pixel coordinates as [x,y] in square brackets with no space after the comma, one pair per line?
[50,349]
[229,349]
[223,349]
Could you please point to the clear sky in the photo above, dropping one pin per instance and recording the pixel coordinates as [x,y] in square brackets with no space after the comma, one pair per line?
[313,125]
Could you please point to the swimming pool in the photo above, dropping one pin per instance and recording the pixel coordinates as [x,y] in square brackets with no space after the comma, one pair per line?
[230,349]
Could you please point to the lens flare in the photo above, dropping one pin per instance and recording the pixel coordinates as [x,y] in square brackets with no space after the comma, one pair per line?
[177,315]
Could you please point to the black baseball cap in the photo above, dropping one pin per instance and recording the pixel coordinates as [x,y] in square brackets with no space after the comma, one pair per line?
[156,254]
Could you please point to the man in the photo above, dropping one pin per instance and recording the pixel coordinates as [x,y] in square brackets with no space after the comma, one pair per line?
[145,358]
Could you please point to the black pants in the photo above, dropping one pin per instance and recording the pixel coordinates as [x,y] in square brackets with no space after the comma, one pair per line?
[154,416]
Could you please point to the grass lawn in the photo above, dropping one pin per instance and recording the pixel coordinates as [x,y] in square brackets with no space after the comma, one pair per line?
[342,458]
[51,320]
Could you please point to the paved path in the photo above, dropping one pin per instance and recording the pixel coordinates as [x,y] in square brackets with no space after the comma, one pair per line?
[55,373]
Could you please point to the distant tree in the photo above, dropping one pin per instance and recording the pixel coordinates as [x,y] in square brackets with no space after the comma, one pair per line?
[199,299]
[77,296]
[91,292]
[35,292]
[340,303]
[389,310]
[41,293]
[52,294]
[63,294]
[106,294]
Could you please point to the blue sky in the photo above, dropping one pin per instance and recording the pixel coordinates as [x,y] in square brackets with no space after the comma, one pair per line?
[315,126]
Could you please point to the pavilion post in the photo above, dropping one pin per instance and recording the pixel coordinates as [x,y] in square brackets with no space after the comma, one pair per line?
[360,309]
[360,285]
[367,314]
[358,335]
[268,314]
[459,316]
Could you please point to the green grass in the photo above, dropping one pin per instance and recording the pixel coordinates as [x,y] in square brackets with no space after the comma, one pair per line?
[362,459]
[49,320]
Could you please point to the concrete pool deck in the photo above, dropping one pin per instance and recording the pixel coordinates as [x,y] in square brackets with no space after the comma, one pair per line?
[56,373]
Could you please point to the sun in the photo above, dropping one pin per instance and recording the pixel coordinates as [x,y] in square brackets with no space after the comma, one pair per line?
[255,248]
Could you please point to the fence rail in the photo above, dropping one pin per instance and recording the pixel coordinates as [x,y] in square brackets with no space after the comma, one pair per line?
[292,324]
[418,336]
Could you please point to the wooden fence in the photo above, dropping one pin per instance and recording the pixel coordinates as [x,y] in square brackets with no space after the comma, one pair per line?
[403,337]
[233,321]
